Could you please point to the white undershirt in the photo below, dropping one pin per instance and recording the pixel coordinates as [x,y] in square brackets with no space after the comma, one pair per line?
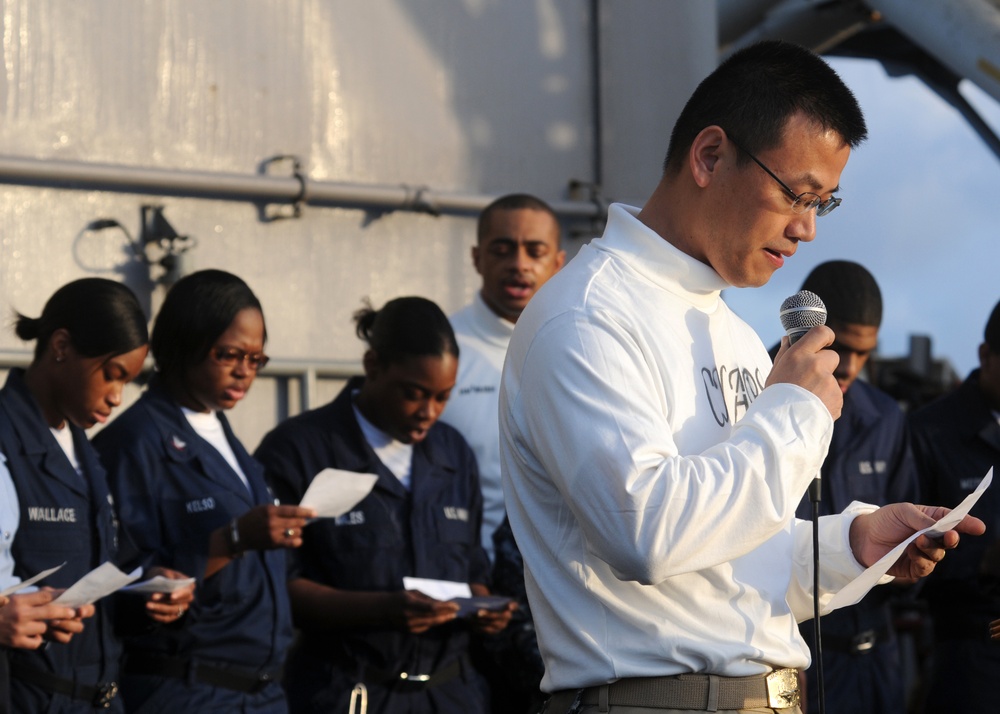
[209,428]
[64,437]
[397,456]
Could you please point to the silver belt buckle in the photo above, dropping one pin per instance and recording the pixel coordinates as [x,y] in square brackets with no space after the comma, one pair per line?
[782,688]
[863,641]
[421,678]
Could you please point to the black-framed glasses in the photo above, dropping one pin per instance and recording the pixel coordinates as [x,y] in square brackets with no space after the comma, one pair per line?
[801,202]
[231,356]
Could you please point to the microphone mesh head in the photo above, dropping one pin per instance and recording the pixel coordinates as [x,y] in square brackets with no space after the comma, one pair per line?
[801,311]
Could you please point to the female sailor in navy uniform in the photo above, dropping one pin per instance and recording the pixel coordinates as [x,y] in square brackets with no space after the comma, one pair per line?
[359,625]
[91,341]
[193,499]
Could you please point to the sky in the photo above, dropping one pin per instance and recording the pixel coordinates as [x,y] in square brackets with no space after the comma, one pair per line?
[920,211]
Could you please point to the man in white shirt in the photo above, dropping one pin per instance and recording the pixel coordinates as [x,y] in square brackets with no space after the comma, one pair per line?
[516,252]
[652,457]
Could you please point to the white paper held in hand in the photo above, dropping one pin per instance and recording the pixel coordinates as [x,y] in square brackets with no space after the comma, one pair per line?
[99,582]
[18,587]
[159,584]
[333,492]
[857,588]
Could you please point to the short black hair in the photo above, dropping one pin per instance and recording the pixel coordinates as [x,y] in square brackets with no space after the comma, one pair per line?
[406,327]
[511,202]
[102,317]
[197,310]
[848,290]
[754,92]
[992,334]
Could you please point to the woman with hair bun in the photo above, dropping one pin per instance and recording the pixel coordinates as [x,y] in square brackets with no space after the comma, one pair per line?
[363,635]
[193,499]
[91,341]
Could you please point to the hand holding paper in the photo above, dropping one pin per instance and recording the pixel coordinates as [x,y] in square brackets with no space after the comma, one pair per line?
[27,617]
[418,612]
[886,540]
[333,492]
[99,582]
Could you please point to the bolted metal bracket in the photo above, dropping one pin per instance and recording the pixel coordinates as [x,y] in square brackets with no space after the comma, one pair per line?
[270,212]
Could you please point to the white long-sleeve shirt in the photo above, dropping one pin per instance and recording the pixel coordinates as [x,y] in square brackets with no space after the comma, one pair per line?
[10,514]
[651,480]
[472,409]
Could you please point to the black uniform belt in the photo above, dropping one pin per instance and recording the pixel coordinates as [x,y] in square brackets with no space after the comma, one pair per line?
[233,678]
[702,692]
[98,695]
[412,680]
[859,644]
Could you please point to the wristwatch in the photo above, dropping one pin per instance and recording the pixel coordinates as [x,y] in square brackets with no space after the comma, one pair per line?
[233,538]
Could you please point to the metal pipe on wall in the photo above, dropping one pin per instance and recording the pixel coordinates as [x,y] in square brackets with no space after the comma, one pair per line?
[257,188]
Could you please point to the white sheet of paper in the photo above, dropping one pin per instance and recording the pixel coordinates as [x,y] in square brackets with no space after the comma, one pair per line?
[99,582]
[438,589]
[18,587]
[159,584]
[333,492]
[856,589]
[471,605]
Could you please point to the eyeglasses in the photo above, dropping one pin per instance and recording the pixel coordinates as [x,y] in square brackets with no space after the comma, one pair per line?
[231,356]
[801,202]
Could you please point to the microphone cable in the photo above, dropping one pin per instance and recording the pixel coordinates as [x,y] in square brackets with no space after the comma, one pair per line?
[814,495]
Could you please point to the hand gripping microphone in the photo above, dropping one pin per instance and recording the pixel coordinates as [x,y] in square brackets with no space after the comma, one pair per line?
[800,312]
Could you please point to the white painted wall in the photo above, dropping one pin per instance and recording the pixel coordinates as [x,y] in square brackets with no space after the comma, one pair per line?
[467,96]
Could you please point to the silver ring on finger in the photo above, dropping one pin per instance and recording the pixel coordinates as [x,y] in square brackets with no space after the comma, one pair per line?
[289,533]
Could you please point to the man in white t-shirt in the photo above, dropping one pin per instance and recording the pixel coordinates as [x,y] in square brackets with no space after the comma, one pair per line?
[516,252]
[653,457]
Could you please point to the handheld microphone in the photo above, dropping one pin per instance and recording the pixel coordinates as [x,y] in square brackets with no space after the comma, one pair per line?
[800,312]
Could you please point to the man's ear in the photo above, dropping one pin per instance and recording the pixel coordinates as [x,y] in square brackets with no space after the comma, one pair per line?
[984,354]
[704,154]
[475,258]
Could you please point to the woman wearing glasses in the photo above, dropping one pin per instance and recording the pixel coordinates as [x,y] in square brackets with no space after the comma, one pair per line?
[193,499]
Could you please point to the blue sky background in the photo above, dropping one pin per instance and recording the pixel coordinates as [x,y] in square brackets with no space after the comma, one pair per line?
[920,212]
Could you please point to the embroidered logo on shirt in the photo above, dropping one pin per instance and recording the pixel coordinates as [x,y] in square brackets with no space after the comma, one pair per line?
[52,515]
[354,518]
[867,467]
[454,513]
[969,484]
[200,505]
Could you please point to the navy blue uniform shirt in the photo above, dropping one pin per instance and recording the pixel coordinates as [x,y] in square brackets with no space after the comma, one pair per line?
[66,518]
[431,532]
[173,489]
[956,441]
[871,460]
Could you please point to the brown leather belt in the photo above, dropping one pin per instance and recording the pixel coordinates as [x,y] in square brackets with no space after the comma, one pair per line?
[703,692]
